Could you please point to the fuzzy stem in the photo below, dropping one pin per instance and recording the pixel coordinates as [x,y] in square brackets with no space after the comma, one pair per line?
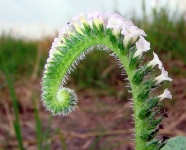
[139,124]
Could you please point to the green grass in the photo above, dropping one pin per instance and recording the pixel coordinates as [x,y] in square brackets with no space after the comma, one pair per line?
[8,75]
[18,54]
[166,31]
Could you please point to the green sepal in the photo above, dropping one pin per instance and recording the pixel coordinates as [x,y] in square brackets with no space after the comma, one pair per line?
[154,145]
[150,84]
[87,29]
[101,28]
[112,37]
[147,69]
[152,102]
[120,44]
[95,29]
[148,135]
[146,86]
[144,94]
[138,76]
[154,122]
[121,47]
[146,112]
[160,145]
[134,62]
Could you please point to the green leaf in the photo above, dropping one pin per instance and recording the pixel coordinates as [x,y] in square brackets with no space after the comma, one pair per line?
[177,143]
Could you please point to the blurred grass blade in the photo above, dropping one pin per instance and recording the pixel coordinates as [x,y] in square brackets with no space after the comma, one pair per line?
[38,126]
[46,134]
[17,126]
[62,139]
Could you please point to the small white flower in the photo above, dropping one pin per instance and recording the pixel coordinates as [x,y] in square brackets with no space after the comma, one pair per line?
[78,21]
[166,94]
[114,15]
[79,18]
[163,76]
[96,17]
[155,61]
[142,46]
[129,31]
[115,24]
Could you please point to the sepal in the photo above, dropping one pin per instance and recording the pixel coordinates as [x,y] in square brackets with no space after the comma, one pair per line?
[149,135]
[144,94]
[138,76]
[145,113]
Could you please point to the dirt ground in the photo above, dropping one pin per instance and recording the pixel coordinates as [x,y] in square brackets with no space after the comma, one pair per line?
[100,121]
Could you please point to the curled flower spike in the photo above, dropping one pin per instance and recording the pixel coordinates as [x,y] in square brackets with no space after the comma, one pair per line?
[118,36]
[155,61]
[163,76]
[166,94]
[142,46]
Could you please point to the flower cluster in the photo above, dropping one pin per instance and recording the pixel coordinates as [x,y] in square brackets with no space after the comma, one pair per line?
[111,20]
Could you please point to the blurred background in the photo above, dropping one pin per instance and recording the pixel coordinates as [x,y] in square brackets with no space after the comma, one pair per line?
[102,119]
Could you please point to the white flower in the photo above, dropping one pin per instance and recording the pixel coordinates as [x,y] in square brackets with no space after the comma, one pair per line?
[155,61]
[129,31]
[166,94]
[97,17]
[80,18]
[115,15]
[163,76]
[115,24]
[142,46]
[78,22]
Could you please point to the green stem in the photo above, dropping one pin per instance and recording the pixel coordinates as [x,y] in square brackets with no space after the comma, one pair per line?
[139,125]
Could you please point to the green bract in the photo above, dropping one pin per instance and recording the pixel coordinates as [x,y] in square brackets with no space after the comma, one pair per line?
[125,42]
